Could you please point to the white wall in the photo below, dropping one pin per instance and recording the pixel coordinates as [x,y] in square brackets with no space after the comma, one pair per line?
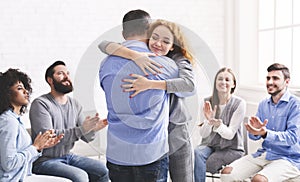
[36,33]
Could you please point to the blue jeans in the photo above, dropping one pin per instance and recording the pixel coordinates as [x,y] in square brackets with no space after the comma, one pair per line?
[154,172]
[73,167]
[201,155]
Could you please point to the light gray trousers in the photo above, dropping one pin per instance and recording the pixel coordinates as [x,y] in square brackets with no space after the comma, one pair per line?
[180,154]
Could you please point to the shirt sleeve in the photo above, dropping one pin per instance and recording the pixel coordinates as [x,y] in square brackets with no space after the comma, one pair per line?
[86,136]
[102,46]
[40,118]
[258,114]
[290,136]
[184,85]
[228,132]
[11,157]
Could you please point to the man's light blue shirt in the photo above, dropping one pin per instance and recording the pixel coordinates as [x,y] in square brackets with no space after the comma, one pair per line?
[137,131]
[16,151]
[283,129]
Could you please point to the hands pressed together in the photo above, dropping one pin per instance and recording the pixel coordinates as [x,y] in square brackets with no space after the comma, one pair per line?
[256,127]
[210,113]
[49,138]
[46,140]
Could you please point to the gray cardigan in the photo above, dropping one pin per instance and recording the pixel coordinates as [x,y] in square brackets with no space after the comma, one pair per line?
[214,140]
[179,113]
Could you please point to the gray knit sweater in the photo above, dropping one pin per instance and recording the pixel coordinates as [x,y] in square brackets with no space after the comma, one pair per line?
[46,113]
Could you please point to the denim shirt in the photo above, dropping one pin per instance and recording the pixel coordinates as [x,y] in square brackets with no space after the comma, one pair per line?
[137,131]
[283,129]
[16,151]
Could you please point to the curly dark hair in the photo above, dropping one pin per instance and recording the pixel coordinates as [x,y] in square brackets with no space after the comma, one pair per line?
[7,80]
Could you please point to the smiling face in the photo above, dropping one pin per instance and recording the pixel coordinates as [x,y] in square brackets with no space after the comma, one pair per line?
[224,82]
[19,96]
[276,83]
[61,79]
[161,40]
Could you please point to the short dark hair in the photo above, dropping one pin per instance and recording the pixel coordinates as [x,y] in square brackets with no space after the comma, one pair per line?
[50,69]
[281,67]
[7,80]
[135,22]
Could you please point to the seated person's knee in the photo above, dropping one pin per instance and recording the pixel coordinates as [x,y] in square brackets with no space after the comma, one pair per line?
[259,178]
[226,170]
[79,175]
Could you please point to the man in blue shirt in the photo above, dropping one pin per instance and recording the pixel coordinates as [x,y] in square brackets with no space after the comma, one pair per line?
[137,136]
[277,123]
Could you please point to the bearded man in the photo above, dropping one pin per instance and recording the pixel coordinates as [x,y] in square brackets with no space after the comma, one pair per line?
[56,110]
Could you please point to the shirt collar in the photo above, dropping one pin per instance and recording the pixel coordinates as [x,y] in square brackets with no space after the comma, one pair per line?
[284,98]
[15,115]
[135,43]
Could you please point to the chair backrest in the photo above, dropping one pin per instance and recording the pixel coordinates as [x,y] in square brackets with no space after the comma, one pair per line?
[29,131]
[245,136]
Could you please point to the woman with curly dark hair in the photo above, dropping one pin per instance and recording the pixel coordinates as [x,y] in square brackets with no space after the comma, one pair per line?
[17,151]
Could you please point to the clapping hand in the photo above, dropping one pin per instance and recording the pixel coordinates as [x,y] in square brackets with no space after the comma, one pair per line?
[46,140]
[215,122]
[101,124]
[256,127]
[209,113]
[90,123]
[53,140]
[93,123]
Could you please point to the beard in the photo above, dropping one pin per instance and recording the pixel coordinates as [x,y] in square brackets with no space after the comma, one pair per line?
[61,88]
[275,92]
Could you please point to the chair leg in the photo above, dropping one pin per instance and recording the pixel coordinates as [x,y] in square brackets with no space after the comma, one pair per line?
[212,176]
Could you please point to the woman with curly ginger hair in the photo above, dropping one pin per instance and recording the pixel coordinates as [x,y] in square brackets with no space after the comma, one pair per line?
[166,39]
